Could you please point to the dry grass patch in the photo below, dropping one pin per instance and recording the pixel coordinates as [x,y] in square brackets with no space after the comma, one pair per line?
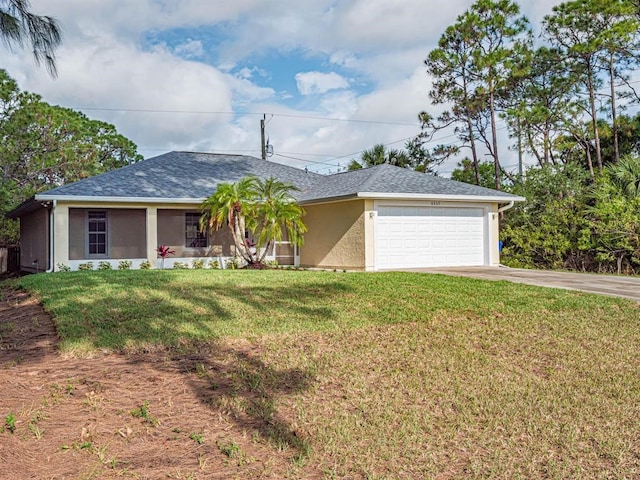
[463,398]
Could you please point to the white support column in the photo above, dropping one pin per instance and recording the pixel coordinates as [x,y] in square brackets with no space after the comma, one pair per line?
[494,235]
[369,235]
[60,236]
[152,234]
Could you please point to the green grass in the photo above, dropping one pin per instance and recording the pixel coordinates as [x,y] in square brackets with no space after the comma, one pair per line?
[390,375]
[135,309]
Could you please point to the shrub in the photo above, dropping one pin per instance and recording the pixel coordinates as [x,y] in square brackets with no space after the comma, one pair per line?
[180,266]
[197,264]
[104,265]
[86,266]
[63,268]
[214,264]
[125,264]
[145,265]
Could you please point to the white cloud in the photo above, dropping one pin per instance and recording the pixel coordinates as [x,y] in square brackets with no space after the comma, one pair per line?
[312,83]
[248,73]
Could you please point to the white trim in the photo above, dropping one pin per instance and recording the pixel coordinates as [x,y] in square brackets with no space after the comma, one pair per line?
[156,264]
[445,197]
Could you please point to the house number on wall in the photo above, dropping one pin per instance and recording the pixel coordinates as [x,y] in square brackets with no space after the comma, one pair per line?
[435,204]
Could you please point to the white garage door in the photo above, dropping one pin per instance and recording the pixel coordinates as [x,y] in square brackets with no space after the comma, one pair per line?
[415,236]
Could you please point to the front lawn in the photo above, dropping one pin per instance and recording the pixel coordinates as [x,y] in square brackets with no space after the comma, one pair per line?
[387,375]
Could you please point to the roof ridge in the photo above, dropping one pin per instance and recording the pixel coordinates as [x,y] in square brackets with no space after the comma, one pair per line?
[376,169]
[194,152]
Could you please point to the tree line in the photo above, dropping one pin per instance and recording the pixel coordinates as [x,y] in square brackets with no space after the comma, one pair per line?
[554,99]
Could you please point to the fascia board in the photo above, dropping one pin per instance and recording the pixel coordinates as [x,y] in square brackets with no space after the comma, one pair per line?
[431,196]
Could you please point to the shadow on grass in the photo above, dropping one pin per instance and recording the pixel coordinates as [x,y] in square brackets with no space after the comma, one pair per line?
[237,383]
[162,316]
[117,311]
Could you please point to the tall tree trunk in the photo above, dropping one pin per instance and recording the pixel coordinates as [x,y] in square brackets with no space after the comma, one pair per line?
[614,118]
[587,149]
[547,146]
[472,140]
[494,138]
[474,153]
[594,118]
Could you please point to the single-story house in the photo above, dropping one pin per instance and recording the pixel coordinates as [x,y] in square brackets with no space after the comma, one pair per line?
[382,217]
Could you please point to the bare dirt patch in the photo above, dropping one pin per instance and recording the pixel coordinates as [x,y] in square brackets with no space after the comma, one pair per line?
[152,415]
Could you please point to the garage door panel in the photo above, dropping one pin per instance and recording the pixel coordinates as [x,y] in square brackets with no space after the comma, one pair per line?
[422,236]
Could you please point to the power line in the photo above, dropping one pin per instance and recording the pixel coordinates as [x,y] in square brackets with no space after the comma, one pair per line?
[213,112]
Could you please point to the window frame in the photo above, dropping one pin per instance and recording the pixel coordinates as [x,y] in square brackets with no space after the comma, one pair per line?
[94,221]
[201,237]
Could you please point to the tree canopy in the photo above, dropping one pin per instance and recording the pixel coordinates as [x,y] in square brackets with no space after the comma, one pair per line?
[561,102]
[44,146]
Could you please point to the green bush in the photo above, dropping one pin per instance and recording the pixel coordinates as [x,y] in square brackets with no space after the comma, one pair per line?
[215,264]
[104,265]
[86,266]
[125,264]
[145,265]
[197,264]
[180,266]
[571,222]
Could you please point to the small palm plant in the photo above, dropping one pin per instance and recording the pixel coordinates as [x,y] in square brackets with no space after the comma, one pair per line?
[164,251]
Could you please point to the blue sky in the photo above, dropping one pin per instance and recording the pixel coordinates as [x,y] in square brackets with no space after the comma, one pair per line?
[333,77]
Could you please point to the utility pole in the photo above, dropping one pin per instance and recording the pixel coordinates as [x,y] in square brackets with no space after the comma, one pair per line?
[262,141]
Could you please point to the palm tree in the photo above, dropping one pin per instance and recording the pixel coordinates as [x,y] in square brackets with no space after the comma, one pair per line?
[276,211]
[18,26]
[230,205]
[265,208]
[377,155]
[626,175]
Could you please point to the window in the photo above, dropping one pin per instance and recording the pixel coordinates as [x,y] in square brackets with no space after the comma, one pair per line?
[193,236]
[97,231]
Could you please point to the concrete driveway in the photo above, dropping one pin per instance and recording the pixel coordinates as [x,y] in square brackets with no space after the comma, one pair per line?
[616,286]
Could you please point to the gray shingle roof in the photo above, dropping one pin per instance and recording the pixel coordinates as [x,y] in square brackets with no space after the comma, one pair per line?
[181,175]
[195,176]
[388,179]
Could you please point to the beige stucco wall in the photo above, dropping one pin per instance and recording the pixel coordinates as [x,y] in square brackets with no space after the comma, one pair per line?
[335,236]
[171,232]
[126,233]
[34,241]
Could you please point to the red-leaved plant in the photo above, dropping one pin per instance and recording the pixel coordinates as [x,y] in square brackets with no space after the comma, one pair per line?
[164,251]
